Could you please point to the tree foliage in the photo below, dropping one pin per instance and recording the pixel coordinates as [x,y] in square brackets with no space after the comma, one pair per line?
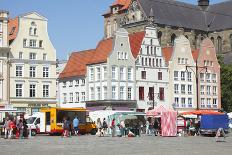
[226,85]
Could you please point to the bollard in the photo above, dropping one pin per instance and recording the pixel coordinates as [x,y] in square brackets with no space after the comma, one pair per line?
[29,136]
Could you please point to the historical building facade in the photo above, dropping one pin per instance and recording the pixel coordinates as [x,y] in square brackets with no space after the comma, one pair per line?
[195,22]
[33,63]
[4,59]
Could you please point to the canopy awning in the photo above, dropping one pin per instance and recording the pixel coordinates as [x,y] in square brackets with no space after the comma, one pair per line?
[201,112]
[157,111]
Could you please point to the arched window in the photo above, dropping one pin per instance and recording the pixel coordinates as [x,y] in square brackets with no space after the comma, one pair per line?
[147,50]
[173,37]
[157,62]
[149,61]
[153,62]
[146,61]
[30,31]
[219,44]
[108,29]
[115,25]
[35,31]
[160,63]
[212,39]
[159,36]
[231,42]
[142,61]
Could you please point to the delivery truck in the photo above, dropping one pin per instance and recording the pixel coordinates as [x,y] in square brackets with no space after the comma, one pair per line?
[211,123]
[50,121]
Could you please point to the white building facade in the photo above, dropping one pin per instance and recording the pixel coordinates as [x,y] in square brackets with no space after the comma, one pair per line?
[152,76]
[33,63]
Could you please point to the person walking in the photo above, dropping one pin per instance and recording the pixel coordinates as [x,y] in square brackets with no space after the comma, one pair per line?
[147,127]
[7,127]
[113,127]
[156,127]
[99,126]
[75,125]
[105,126]
[20,128]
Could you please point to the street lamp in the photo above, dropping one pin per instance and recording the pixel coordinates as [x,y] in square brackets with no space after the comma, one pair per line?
[152,95]
[201,68]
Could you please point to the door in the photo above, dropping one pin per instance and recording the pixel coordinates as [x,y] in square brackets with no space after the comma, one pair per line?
[48,122]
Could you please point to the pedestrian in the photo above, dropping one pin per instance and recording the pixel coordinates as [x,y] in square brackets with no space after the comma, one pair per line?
[105,126]
[156,127]
[69,127]
[147,127]
[25,127]
[75,125]
[122,128]
[65,128]
[220,133]
[99,127]
[7,127]
[113,127]
[20,128]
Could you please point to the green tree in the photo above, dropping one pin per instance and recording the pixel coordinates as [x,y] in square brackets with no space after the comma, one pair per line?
[226,85]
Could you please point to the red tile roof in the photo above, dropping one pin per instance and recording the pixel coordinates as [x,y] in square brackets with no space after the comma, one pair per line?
[167,53]
[13,28]
[77,62]
[76,65]
[124,3]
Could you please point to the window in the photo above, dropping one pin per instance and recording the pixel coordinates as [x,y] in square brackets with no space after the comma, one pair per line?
[121,73]
[105,73]
[189,76]
[64,84]
[41,43]
[65,97]
[176,75]
[32,56]
[113,92]
[129,74]
[179,60]
[160,63]
[71,84]
[214,78]
[98,73]
[105,92]
[45,90]
[19,90]
[82,96]
[208,90]
[45,71]
[219,43]
[208,102]
[32,90]
[0,26]
[121,93]
[92,93]
[143,73]
[35,31]
[147,50]
[149,61]
[20,55]
[71,97]
[202,77]
[173,37]
[215,103]
[98,93]
[202,103]
[190,102]
[189,89]
[214,90]
[177,102]
[183,105]
[19,71]
[44,56]
[24,42]
[202,90]
[182,89]
[1,43]
[30,31]
[114,73]
[161,94]
[157,62]
[176,88]
[186,61]
[32,43]
[159,75]
[142,61]
[208,77]
[32,71]
[182,75]
[129,93]
[77,83]
[126,56]
[91,74]
[83,82]
[77,97]
[141,93]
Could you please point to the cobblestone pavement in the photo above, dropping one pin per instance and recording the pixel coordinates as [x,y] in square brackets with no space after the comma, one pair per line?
[145,145]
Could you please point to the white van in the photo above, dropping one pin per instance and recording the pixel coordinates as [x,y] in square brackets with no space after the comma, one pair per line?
[33,123]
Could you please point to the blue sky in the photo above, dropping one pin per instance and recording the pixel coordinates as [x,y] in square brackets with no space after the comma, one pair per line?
[73,25]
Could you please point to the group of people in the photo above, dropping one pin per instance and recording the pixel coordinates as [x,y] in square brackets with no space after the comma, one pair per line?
[15,128]
[102,127]
[153,126]
[70,127]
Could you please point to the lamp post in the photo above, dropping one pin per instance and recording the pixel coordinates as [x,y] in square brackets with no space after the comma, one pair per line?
[152,94]
[197,68]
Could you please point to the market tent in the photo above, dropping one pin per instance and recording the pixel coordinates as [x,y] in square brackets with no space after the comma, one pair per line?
[157,111]
[169,124]
[201,112]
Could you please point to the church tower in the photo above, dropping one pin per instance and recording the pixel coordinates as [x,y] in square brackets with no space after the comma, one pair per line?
[203,4]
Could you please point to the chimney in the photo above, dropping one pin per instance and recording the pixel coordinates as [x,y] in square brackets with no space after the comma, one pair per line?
[203,4]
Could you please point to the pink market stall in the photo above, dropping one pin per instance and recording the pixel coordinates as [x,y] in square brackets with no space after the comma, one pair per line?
[168,120]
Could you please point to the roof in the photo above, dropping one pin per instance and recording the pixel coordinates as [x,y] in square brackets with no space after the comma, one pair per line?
[78,61]
[167,53]
[180,14]
[123,3]
[76,65]
[13,26]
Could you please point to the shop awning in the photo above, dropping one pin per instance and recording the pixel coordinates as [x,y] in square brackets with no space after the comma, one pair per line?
[201,112]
